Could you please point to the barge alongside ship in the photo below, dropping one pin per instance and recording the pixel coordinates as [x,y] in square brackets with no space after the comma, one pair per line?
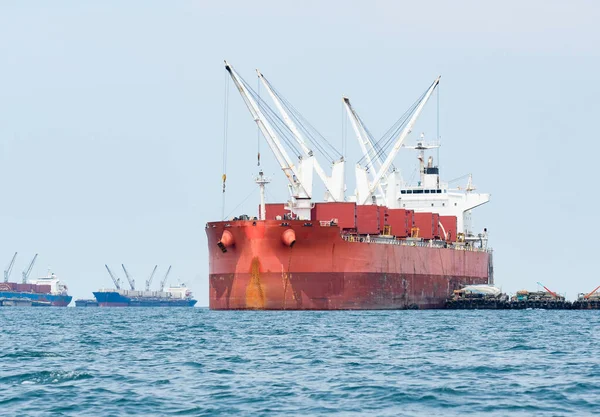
[392,245]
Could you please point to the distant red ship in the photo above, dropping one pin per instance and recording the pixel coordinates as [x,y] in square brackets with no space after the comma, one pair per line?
[390,246]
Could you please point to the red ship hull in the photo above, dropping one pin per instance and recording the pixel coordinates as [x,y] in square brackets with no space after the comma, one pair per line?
[255,268]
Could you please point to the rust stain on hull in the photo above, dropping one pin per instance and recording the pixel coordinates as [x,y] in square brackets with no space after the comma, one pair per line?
[255,294]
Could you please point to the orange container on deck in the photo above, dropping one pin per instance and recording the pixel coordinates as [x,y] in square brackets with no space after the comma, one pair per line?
[274,210]
[398,219]
[449,223]
[367,220]
[425,223]
[344,213]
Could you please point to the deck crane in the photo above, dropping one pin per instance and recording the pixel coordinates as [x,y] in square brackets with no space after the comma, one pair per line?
[9,268]
[588,295]
[546,288]
[131,280]
[366,145]
[164,280]
[149,280]
[115,279]
[27,272]
[334,184]
[366,199]
[299,177]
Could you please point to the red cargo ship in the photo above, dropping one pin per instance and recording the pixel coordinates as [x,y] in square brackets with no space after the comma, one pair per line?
[389,246]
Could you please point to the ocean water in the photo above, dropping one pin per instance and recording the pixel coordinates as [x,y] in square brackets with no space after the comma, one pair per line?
[153,361]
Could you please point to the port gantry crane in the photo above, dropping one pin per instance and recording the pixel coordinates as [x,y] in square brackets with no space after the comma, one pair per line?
[115,279]
[27,272]
[9,268]
[131,280]
[149,280]
[164,280]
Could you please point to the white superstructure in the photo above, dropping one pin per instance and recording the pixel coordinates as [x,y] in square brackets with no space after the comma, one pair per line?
[432,195]
[56,287]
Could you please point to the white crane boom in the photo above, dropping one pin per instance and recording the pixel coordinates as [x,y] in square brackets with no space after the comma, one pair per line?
[336,191]
[363,140]
[398,144]
[164,280]
[288,168]
[27,272]
[115,279]
[131,280]
[149,281]
[9,268]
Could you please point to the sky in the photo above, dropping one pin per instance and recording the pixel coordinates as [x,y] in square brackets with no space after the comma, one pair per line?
[112,123]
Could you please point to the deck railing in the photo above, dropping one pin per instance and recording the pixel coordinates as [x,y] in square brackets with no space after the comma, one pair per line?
[401,242]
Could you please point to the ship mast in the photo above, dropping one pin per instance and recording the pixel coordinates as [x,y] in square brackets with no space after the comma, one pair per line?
[421,146]
[261,180]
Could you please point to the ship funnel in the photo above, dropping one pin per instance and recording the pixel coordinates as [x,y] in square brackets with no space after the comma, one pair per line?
[288,237]
[226,241]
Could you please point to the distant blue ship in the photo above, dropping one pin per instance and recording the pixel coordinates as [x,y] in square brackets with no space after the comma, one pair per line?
[178,296]
[126,298]
[46,290]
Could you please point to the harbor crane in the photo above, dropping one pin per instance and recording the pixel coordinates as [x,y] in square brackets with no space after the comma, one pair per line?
[115,279]
[149,280]
[299,175]
[588,295]
[369,190]
[9,268]
[27,272]
[546,288]
[164,280]
[334,184]
[131,280]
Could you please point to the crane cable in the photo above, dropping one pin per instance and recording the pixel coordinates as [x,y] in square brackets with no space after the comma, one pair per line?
[258,128]
[225,128]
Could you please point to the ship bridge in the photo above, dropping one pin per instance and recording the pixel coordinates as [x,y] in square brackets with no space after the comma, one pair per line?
[432,195]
